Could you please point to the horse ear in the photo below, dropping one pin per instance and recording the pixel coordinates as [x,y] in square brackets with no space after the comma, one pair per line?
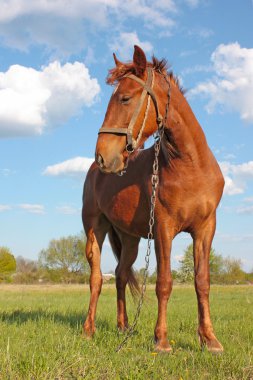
[117,62]
[139,59]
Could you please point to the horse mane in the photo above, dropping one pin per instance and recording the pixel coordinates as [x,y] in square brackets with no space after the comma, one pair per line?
[161,66]
[171,146]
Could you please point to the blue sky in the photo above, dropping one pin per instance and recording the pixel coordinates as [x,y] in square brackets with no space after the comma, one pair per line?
[54,57]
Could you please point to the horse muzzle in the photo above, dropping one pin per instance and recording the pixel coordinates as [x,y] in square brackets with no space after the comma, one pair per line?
[115,165]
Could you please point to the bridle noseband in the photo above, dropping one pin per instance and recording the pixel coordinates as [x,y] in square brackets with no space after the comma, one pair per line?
[132,143]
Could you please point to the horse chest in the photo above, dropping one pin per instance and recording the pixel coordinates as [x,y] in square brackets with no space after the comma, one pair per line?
[128,210]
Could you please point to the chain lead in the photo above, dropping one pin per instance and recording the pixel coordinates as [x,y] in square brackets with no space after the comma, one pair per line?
[154,182]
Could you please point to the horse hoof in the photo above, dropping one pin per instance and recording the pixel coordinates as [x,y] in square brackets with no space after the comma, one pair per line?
[87,335]
[88,332]
[164,347]
[122,328]
[214,347]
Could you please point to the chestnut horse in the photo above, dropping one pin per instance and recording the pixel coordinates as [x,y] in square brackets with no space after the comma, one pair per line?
[148,97]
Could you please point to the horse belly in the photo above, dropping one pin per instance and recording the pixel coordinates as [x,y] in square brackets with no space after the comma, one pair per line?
[189,201]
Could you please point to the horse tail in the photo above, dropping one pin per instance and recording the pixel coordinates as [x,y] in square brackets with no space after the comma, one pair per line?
[116,248]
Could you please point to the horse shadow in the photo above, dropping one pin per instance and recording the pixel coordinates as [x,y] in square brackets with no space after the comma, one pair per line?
[73,320]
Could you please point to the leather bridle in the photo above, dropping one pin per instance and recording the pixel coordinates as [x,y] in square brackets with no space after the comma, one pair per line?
[131,143]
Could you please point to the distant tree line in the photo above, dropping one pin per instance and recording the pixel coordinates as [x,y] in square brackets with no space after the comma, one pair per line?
[63,261]
[226,270]
[7,264]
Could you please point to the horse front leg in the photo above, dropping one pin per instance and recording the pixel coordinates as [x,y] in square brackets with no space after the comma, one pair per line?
[164,281]
[202,241]
[93,254]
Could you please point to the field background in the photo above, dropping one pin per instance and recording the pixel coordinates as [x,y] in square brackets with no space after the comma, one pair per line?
[41,328]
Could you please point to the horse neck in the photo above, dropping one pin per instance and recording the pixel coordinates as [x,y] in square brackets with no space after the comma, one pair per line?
[187,134]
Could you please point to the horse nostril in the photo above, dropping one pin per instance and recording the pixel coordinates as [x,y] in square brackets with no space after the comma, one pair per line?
[100,160]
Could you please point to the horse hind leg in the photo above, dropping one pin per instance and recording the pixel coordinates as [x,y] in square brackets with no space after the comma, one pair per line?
[202,241]
[95,239]
[125,248]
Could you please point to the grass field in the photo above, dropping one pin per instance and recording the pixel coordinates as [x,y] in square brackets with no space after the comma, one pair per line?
[40,329]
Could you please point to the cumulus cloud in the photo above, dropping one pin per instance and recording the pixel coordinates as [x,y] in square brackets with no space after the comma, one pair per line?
[33,208]
[4,208]
[22,23]
[153,13]
[96,10]
[232,85]
[75,167]
[32,100]
[236,176]
[244,170]
[12,9]
[125,42]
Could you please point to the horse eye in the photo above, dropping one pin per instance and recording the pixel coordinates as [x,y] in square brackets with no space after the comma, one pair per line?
[125,99]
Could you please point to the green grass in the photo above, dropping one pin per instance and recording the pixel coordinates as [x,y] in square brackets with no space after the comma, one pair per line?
[41,328]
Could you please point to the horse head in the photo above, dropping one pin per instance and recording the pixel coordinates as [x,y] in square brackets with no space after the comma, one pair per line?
[131,116]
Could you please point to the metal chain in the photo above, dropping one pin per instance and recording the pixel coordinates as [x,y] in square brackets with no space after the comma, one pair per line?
[154,182]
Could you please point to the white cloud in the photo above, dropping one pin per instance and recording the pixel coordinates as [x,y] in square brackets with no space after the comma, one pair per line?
[236,176]
[125,42]
[232,85]
[229,156]
[178,258]
[231,187]
[89,9]
[31,100]
[192,3]
[165,5]
[200,32]
[244,170]
[68,210]
[75,167]
[6,172]
[187,53]
[33,208]
[153,13]
[245,210]
[13,9]
[4,208]
[22,23]
[233,237]
[248,199]
[196,69]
